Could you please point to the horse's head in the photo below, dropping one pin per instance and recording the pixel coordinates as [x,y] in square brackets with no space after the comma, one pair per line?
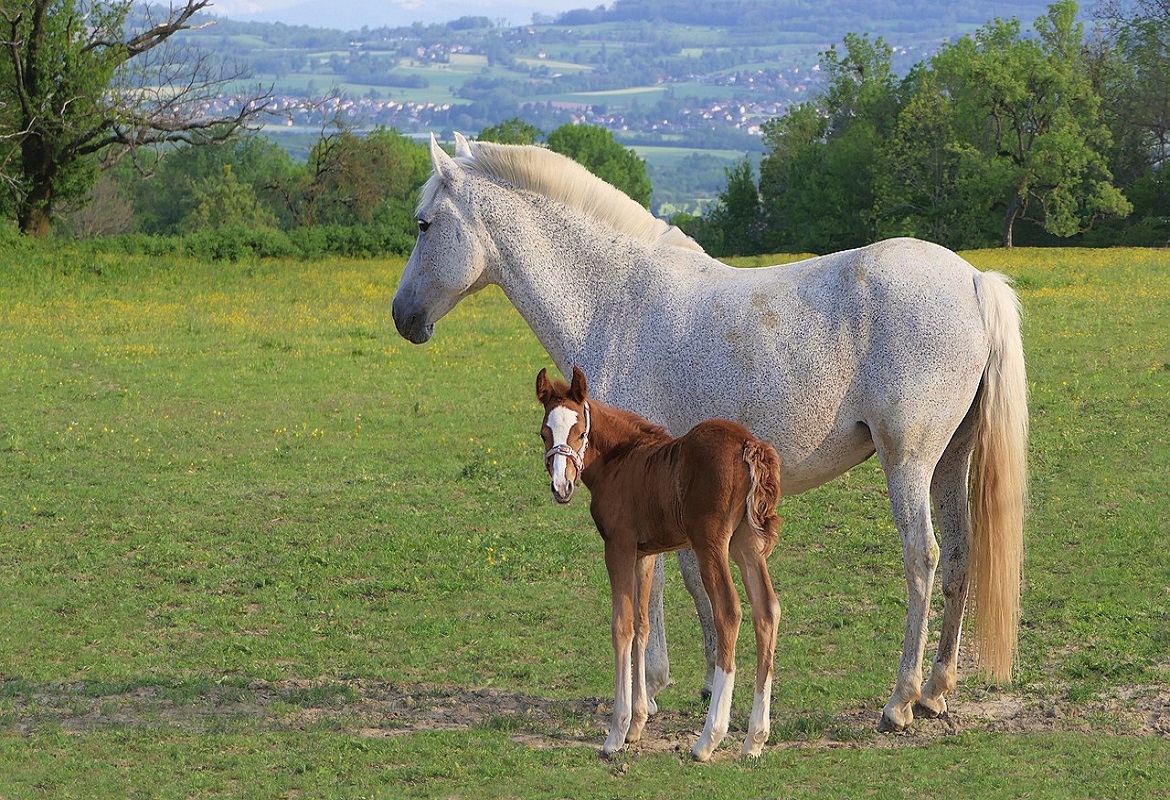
[449,258]
[565,430]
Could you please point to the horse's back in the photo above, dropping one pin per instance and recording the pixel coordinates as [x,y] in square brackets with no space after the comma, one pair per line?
[825,355]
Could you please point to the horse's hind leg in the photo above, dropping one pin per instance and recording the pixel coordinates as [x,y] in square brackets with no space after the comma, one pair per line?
[753,568]
[949,489]
[688,565]
[910,500]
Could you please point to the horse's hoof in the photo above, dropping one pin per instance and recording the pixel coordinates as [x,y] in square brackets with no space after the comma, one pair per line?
[930,709]
[752,750]
[889,725]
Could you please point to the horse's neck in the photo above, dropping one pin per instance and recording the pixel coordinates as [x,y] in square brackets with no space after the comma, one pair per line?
[615,434]
[572,280]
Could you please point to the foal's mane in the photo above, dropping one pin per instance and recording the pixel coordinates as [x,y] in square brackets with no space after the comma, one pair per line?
[619,430]
[557,177]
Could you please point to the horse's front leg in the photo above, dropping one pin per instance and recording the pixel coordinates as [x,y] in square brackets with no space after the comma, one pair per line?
[619,562]
[657,660]
[642,706]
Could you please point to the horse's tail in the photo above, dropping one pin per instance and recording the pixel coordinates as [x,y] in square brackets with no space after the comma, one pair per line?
[999,482]
[764,470]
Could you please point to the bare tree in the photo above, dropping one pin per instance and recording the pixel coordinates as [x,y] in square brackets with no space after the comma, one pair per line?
[83,82]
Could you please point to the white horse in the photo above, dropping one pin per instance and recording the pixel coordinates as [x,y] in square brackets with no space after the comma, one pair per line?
[900,348]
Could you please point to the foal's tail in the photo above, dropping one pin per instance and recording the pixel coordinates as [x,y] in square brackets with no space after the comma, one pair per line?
[999,482]
[764,470]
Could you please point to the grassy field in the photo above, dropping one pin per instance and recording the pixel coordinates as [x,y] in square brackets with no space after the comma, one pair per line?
[252,544]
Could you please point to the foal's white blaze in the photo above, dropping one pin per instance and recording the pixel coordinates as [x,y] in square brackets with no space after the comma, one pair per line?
[561,421]
[718,715]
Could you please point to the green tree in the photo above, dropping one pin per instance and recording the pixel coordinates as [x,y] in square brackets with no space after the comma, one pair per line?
[596,149]
[80,82]
[817,177]
[925,184]
[171,189]
[1133,80]
[355,179]
[1028,108]
[223,201]
[733,222]
[511,131]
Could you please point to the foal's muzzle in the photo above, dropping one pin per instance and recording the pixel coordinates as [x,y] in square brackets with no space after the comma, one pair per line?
[563,494]
[562,487]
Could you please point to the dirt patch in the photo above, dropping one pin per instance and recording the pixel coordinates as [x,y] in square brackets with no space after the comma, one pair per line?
[375,709]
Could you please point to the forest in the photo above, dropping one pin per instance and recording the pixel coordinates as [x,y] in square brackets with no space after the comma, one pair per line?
[1017,133]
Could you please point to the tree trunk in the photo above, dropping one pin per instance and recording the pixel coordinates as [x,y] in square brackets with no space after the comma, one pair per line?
[1009,219]
[35,222]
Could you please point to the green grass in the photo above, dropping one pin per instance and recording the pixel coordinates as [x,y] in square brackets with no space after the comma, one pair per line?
[250,539]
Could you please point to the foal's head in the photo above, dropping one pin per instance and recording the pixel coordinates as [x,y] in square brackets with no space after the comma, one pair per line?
[565,430]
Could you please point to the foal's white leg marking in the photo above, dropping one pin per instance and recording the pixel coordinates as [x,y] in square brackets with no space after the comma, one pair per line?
[718,715]
[622,706]
[560,421]
[761,722]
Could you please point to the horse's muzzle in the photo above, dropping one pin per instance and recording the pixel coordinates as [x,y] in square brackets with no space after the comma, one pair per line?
[410,324]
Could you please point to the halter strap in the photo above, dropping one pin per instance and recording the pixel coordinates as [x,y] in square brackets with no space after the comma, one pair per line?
[564,449]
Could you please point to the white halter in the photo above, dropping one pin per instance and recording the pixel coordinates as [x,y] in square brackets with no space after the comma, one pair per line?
[564,449]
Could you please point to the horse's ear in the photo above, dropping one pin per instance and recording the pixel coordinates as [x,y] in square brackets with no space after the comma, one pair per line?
[579,388]
[444,165]
[543,387]
[462,147]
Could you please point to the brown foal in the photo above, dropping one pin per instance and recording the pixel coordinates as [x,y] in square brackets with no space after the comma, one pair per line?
[715,490]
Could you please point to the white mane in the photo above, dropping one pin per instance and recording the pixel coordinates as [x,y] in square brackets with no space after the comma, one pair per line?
[557,177]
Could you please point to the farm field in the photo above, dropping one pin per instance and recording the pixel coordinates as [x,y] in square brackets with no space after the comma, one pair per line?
[253,544]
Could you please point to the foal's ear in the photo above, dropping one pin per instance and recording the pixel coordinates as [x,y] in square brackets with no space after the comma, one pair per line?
[579,387]
[443,164]
[543,387]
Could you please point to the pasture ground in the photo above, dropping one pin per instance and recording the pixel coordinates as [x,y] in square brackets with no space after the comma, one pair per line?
[252,544]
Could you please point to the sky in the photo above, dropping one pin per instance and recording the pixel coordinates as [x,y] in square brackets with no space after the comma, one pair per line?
[353,14]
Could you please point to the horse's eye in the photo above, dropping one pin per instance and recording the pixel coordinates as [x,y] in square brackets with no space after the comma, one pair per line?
[423,225]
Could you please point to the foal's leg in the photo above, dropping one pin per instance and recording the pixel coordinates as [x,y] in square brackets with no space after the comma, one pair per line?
[711,553]
[619,562]
[949,489]
[753,568]
[910,500]
[643,580]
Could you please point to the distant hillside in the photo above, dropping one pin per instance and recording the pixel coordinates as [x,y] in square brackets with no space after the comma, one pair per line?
[921,19]
[697,77]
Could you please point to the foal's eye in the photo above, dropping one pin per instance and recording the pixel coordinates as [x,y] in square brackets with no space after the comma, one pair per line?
[423,225]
